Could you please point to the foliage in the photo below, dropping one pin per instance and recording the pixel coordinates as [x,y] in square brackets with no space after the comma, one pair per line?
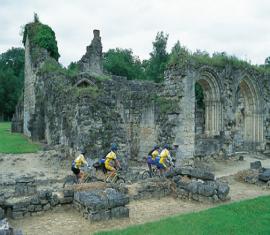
[91,91]
[199,95]
[181,56]
[240,218]
[41,35]
[50,65]
[122,62]
[156,65]
[11,81]
[72,69]
[166,105]
[14,142]
[267,61]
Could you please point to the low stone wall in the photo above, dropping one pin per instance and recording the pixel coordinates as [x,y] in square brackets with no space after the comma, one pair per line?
[19,207]
[184,183]
[25,186]
[99,204]
[257,175]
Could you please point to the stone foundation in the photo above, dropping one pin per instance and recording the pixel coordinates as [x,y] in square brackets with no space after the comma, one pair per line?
[100,205]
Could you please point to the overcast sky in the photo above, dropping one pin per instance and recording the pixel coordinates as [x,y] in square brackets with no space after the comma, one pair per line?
[239,27]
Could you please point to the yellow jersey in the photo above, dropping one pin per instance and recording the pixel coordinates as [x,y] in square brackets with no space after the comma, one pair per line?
[164,155]
[154,154]
[109,157]
[79,161]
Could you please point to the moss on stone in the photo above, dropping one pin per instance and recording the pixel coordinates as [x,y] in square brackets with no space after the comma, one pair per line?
[90,91]
[51,66]
[167,105]
[41,35]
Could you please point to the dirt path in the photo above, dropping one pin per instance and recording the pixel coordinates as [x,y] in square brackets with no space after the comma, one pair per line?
[232,166]
[66,220]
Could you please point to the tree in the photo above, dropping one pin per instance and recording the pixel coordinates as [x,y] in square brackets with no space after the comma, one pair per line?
[122,62]
[11,81]
[156,65]
[267,61]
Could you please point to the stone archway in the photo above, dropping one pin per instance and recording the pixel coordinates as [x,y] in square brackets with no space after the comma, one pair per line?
[211,110]
[248,116]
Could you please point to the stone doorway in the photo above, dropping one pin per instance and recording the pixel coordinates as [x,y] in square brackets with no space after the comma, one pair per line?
[248,131]
[208,115]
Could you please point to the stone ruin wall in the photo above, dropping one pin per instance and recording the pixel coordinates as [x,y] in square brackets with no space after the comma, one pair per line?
[138,114]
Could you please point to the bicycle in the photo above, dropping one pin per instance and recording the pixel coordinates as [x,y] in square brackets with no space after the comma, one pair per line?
[115,179]
[156,172]
[86,178]
[148,174]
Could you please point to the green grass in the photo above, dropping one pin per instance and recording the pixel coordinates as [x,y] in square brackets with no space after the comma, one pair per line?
[14,142]
[240,218]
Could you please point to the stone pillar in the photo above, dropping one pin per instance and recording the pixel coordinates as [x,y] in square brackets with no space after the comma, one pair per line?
[29,90]
[185,131]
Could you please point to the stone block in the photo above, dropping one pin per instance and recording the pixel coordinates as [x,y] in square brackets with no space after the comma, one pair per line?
[35,200]
[99,215]
[38,208]
[66,200]
[206,190]
[2,213]
[54,200]
[265,176]
[256,165]
[120,212]
[17,214]
[202,174]
[68,193]
[31,208]
[46,207]
[223,191]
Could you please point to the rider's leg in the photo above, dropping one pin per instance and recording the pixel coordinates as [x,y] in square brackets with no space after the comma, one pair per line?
[80,177]
[149,163]
[111,172]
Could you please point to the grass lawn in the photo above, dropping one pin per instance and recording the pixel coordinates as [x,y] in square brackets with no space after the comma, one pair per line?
[245,217]
[14,142]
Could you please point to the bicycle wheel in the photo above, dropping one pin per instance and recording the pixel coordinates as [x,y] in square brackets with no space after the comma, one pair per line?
[145,175]
[156,172]
[120,180]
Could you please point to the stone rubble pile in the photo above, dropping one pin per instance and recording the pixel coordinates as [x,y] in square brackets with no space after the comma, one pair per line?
[256,174]
[184,183]
[99,204]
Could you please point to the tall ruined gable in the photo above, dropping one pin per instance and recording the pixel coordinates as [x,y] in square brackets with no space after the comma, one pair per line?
[91,62]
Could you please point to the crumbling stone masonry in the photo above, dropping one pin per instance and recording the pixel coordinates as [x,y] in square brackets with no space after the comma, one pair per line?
[92,109]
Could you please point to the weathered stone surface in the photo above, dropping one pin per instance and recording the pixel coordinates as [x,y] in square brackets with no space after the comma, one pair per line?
[2,213]
[256,165]
[201,174]
[206,190]
[120,212]
[265,176]
[223,191]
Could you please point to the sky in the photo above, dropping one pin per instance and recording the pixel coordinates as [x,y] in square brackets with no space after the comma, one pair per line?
[238,27]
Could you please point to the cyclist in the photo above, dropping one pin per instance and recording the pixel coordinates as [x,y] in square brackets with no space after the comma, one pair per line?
[153,158]
[78,163]
[165,156]
[111,161]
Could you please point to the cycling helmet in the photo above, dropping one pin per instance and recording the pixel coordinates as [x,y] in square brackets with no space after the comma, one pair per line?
[166,146]
[82,150]
[156,147]
[114,147]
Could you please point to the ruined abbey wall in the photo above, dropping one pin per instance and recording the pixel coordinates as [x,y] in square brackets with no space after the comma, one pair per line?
[93,110]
